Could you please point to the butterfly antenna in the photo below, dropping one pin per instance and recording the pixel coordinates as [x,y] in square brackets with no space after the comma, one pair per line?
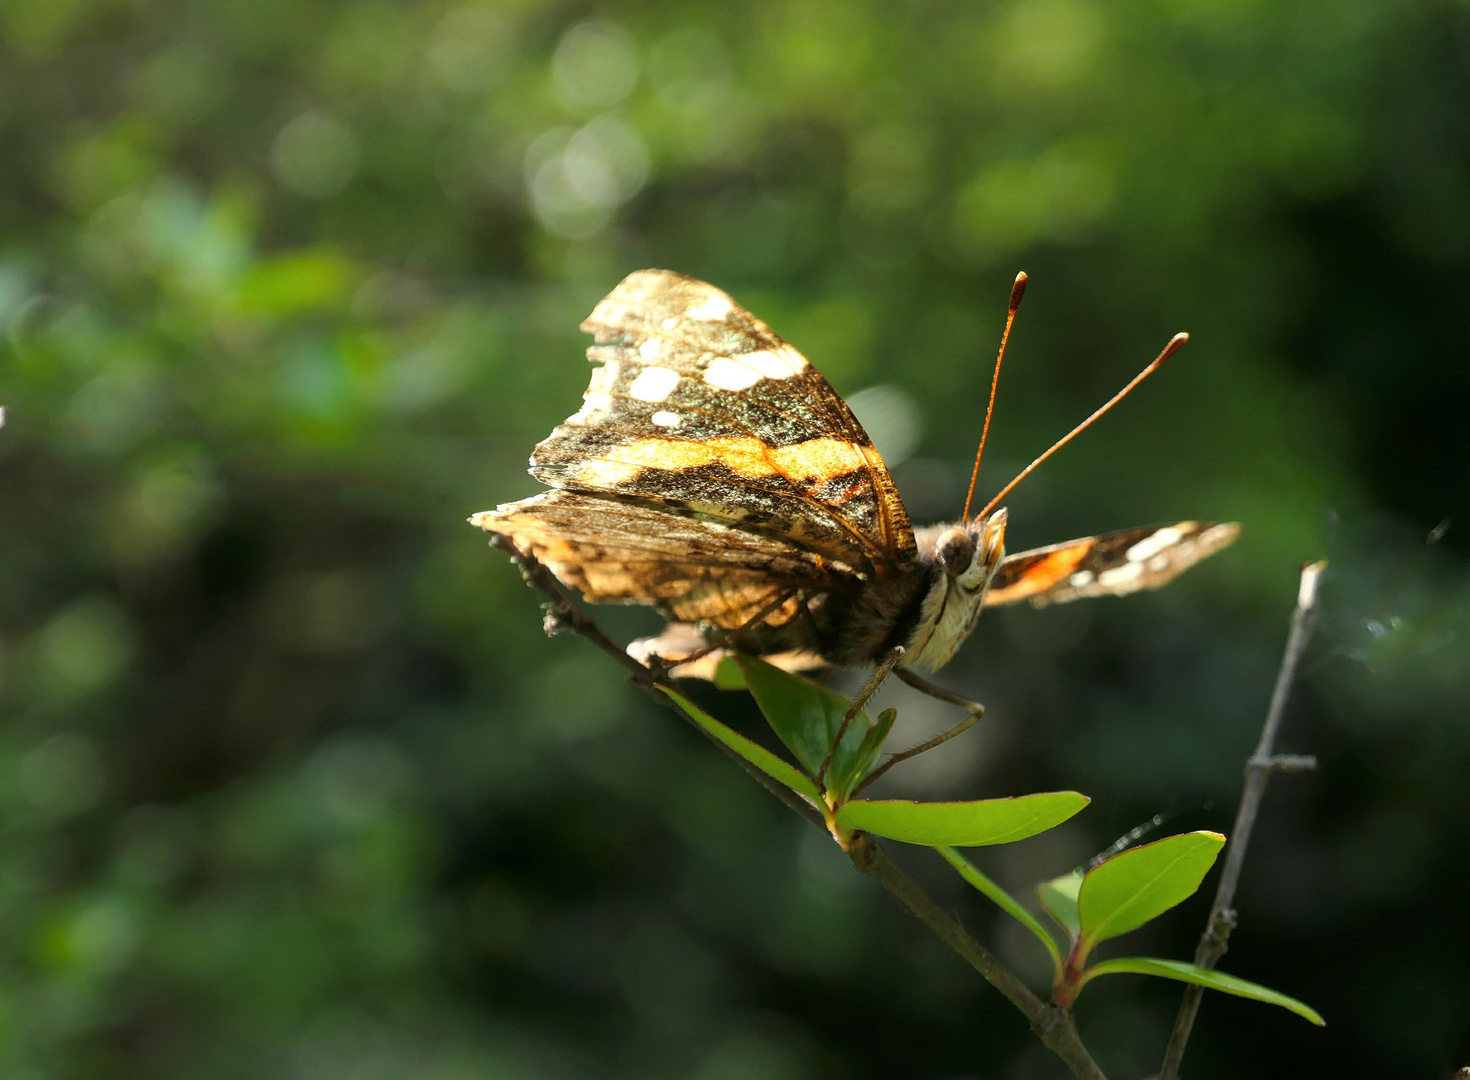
[1018,290]
[1175,344]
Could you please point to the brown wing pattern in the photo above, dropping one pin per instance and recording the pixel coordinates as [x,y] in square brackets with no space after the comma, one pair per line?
[699,408]
[691,570]
[1113,564]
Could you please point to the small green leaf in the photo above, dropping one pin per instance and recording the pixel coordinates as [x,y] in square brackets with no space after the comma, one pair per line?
[754,753]
[806,717]
[1059,897]
[728,675]
[1007,902]
[1142,883]
[961,824]
[1214,980]
[867,753]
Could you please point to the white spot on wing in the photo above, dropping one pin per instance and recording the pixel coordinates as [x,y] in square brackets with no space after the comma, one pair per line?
[669,323]
[650,349]
[1158,563]
[1151,545]
[1080,578]
[779,363]
[724,373]
[600,473]
[654,384]
[712,309]
[1120,575]
[664,418]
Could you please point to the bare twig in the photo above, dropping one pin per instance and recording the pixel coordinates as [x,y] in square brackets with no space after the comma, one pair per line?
[1054,1026]
[1258,770]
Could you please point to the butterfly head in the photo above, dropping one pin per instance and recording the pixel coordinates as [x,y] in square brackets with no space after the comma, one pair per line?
[969,551]
[965,557]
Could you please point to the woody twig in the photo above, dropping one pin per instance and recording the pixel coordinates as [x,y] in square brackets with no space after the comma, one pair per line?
[1258,770]
[1052,1025]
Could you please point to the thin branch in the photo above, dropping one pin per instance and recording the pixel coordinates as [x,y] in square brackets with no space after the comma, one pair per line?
[1054,1026]
[1216,936]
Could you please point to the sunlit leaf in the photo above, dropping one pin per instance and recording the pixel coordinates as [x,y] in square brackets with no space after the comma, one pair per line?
[1214,980]
[754,753]
[961,824]
[1144,882]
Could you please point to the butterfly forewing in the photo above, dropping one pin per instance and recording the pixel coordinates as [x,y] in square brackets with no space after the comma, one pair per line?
[698,408]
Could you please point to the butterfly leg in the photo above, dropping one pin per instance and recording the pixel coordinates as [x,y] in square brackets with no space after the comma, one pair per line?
[973,708]
[880,673]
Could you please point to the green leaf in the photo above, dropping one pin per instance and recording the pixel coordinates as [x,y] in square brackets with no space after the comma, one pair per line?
[867,753]
[1142,883]
[961,824]
[806,717]
[728,675]
[1059,897]
[1214,980]
[754,753]
[1007,902]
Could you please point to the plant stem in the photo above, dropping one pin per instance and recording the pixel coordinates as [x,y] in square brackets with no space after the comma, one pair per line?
[1052,1025]
[1216,936]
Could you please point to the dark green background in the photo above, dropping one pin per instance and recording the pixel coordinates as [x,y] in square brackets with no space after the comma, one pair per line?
[292,785]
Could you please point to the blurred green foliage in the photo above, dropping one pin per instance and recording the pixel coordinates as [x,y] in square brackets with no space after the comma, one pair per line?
[294,786]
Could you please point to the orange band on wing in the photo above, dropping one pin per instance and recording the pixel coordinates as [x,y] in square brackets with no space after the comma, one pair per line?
[814,460]
[1040,575]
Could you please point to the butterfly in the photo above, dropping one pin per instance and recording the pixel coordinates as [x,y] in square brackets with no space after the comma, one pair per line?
[715,475]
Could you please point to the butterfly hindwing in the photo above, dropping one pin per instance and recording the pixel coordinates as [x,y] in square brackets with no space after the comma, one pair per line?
[690,570]
[699,408]
[1112,564]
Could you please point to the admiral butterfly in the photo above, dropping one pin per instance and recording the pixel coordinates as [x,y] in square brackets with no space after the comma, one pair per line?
[713,474]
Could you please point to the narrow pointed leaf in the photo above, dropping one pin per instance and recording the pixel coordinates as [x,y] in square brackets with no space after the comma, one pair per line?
[1214,980]
[1007,902]
[867,754]
[961,824]
[1144,882]
[1059,897]
[754,753]
[806,717]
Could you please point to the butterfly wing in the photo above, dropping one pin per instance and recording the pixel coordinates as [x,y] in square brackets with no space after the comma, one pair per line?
[699,409]
[690,569]
[1113,564]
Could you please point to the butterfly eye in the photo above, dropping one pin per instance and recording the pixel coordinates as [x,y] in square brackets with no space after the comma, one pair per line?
[954,551]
